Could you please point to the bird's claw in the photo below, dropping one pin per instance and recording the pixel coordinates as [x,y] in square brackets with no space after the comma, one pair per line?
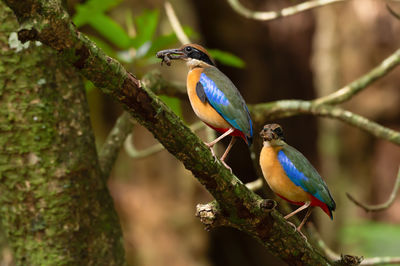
[215,156]
[227,166]
[297,229]
[301,233]
[212,151]
[293,225]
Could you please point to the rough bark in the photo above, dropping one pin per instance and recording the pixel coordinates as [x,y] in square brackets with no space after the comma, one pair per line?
[47,22]
[55,208]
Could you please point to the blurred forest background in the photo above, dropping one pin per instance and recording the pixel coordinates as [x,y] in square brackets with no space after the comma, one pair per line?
[304,56]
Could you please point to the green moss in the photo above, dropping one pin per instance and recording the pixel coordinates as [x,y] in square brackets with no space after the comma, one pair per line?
[54,208]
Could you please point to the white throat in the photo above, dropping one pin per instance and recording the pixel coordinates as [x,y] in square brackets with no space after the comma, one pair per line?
[267,144]
[193,63]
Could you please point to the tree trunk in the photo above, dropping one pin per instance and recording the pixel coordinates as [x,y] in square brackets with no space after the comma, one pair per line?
[54,207]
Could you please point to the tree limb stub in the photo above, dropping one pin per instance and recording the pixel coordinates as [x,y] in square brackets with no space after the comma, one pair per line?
[48,23]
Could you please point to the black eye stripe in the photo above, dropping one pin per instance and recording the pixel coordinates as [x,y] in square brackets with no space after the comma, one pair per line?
[197,54]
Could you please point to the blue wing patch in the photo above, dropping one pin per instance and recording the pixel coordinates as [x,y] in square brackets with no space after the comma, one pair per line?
[216,98]
[214,95]
[297,177]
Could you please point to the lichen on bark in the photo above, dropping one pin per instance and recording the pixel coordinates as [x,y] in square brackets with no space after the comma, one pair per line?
[54,207]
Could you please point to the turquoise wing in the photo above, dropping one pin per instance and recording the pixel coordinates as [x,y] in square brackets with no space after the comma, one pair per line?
[303,174]
[225,98]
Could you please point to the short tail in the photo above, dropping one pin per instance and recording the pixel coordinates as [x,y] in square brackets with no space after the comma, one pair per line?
[327,209]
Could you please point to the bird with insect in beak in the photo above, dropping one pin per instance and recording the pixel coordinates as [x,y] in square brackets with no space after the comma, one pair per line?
[213,96]
[291,176]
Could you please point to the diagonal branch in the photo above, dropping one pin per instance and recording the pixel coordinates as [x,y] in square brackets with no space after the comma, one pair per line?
[358,85]
[271,15]
[383,206]
[47,22]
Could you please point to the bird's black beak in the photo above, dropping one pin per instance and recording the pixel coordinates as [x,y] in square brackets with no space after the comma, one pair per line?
[266,134]
[170,54]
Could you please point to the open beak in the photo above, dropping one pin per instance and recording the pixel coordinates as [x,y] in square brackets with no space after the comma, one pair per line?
[170,54]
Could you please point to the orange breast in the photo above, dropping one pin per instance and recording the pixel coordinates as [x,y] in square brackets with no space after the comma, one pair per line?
[203,110]
[276,177]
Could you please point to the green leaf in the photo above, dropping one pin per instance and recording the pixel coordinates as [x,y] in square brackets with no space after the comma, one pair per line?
[173,103]
[227,58]
[146,25]
[110,30]
[85,11]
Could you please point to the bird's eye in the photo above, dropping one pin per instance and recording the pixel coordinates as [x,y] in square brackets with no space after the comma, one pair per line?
[278,130]
[188,49]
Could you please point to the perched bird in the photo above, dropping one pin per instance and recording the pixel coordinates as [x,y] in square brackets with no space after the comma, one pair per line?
[291,176]
[214,98]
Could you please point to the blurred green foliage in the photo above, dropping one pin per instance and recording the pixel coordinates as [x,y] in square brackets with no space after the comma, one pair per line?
[138,43]
[372,239]
[227,58]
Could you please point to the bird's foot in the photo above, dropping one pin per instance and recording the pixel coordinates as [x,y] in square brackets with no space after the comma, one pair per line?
[298,229]
[211,146]
[302,235]
[292,224]
[227,166]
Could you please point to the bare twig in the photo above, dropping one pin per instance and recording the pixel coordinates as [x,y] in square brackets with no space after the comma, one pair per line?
[287,108]
[345,259]
[391,11]
[176,25]
[358,85]
[381,261]
[383,206]
[255,185]
[271,15]
[115,139]
[136,154]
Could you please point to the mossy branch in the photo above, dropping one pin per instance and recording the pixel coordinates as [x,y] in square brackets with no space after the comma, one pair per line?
[47,22]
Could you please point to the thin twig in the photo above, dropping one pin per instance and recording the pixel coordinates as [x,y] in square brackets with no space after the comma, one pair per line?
[255,185]
[139,154]
[383,206]
[176,25]
[115,139]
[392,12]
[288,108]
[358,85]
[380,261]
[271,15]
[333,256]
